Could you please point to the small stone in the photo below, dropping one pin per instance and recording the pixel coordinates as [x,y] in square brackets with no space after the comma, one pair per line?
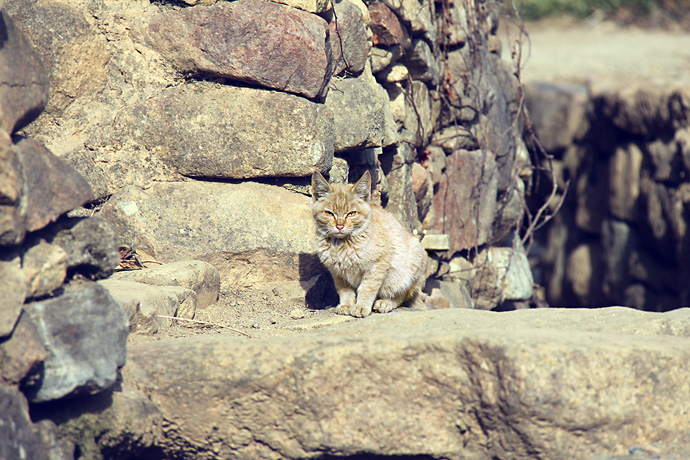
[256,325]
[432,242]
[275,292]
[297,313]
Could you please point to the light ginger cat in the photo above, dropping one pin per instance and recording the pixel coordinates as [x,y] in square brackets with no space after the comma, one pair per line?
[375,262]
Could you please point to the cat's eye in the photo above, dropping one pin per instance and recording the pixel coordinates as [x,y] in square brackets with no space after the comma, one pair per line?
[351,213]
[330,213]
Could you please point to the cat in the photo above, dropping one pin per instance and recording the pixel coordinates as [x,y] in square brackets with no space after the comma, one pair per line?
[376,263]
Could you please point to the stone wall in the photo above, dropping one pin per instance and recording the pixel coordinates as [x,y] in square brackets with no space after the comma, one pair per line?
[624,154]
[181,116]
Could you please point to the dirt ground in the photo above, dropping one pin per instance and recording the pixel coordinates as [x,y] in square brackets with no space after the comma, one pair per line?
[597,53]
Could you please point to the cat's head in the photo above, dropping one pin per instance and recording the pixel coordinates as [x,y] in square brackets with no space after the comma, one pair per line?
[340,210]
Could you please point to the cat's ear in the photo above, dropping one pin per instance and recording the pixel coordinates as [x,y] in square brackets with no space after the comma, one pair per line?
[362,189]
[319,187]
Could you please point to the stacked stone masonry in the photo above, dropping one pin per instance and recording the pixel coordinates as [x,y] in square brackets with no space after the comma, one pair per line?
[199,100]
[621,236]
[157,125]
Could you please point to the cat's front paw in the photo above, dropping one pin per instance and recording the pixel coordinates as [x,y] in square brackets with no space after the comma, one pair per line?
[385,305]
[357,311]
[344,309]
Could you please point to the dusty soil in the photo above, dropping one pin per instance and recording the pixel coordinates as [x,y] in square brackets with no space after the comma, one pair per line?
[599,54]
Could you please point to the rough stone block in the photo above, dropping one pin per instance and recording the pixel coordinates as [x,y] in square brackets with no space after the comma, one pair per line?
[362,114]
[467,384]
[23,79]
[206,130]
[385,25]
[349,43]
[624,182]
[45,267]
[145,303]
[201,277]
[254,41]
[436,242]
[52,186]
[91,246]
[178,221]
[465,203]
[557,112]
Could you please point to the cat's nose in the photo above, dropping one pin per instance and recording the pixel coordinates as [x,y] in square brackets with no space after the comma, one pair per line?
[339,227]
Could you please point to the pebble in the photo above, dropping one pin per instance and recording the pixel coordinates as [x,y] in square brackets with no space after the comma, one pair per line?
[297,313]
[256,325]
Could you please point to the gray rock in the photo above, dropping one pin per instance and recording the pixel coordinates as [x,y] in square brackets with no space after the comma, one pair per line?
[91,246]
[418,114]
[201,277]
[22,353]
[456,292]
[402,202]
[422,63]
[349,44]
[510,210]
[380,57]
[501,274]
[666,161]
[617,240]
[178,221]
[558,112]
[453,28]
[84,332]
[452,138]
[644,110]
[262,134]
[362,114]
[14,289]
[471,177]
[144,304]
[45,267]
[478,378]
[21,439]
[624,182]
[436,242]
[253,41]
[23,80]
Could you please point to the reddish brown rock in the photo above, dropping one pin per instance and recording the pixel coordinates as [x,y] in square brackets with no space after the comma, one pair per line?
[23,80]
[466,199]
[385,25]
[254,41]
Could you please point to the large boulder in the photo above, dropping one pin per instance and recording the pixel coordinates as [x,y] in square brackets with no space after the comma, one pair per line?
[253,41]
[452,384]
[216,131]
[218,217]
[84,332]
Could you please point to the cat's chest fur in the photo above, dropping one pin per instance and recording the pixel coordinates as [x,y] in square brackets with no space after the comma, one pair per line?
[347,259]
